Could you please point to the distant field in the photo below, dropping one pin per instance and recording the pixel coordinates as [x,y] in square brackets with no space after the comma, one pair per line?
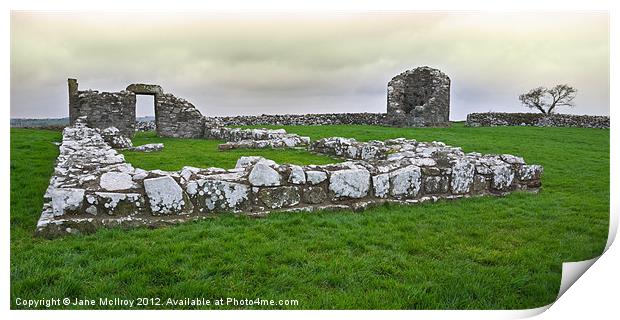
[52,122]
[482,253]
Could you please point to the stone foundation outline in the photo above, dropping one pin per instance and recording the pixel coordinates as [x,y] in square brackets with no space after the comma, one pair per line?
[93,186]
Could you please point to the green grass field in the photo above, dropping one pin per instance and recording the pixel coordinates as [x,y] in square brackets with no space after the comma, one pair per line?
[482,253]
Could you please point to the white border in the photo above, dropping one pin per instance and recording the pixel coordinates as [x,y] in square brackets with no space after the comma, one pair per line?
[594,294]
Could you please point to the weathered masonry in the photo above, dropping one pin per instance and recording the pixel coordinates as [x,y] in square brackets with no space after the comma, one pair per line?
[419,98]
[494,119]
[93,186]
[415,98]
[174,117]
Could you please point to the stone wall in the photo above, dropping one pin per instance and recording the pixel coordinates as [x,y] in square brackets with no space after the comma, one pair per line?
[178,118]
[106,109]
[174,117]
[298,119]
[73,96]
[144,126]
[92,185]
[419,98]
[350,148]
[492,119]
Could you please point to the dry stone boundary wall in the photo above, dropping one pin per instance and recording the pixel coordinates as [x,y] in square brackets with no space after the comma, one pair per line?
[495,119]
[298,119]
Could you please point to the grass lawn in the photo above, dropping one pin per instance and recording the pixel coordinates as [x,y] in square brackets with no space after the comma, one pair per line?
[482,253]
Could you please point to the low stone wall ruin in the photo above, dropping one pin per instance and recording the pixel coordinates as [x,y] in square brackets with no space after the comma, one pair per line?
[494,119]
[255,138]
[349,148]
[92,185]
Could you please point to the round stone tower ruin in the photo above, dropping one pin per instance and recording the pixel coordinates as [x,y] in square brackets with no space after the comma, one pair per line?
[419,98]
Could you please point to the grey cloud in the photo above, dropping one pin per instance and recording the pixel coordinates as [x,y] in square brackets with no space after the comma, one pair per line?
[252,64]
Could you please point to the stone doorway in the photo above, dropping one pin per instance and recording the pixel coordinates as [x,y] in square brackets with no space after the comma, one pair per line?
[146,101]
[145,108]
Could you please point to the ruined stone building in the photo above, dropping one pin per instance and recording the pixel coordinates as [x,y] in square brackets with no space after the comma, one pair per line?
[174,117]
[416,98]
[93,186]
[419,98]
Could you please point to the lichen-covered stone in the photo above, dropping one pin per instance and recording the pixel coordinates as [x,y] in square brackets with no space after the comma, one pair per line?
[297,176]
[177,118]
[502,177]
[406,182]
[104,109]
[314,195]
[263,175]
[315,177]
[351,148]
[508,158]
[115,139]
[350,183]
[122,204]
[288,142]
[480,183]
[218,195]
[113,181]
[462,176]
[530,172]
[166,196]
[139,174]
[436,185]
[247,161]
[279,197]
[381,185]
[66,200]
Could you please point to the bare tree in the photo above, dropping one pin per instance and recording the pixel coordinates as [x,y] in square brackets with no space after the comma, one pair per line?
[546,100]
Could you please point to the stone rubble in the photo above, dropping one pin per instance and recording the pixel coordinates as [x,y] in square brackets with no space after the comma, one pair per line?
[294,142]
[115,139]
[145,126]
[149,147]
[255,138]
[93,187]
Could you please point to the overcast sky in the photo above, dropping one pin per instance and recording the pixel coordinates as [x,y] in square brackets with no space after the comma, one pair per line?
[232,64]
